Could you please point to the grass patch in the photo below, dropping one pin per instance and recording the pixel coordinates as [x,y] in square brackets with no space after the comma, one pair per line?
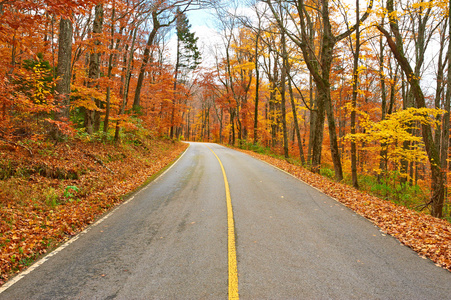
[390,188]
[327,172]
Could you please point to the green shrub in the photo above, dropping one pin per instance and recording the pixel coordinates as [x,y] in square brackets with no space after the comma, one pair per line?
[327,172]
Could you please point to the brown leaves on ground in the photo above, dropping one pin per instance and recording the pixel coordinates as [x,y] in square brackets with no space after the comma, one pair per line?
[430,237]
[47,197]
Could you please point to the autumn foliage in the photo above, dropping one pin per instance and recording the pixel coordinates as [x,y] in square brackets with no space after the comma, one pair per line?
[285,80]
[271,83]
[48,197]
[78,129]
[358,93]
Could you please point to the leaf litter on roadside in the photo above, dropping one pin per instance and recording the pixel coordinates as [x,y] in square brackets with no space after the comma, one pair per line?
[66,191]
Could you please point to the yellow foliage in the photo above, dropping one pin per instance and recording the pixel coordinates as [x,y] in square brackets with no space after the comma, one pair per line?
[390,134]
[84,97]
[245,66]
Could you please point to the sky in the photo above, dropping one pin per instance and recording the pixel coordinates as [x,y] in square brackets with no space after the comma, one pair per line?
[203,25]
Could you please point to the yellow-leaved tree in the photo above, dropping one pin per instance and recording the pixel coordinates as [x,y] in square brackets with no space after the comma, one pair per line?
[388,137]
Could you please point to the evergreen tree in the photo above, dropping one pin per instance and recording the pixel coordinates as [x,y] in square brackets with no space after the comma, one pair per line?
[188,58]
[188,55]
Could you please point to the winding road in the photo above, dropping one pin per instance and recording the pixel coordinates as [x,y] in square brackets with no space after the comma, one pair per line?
[173,240]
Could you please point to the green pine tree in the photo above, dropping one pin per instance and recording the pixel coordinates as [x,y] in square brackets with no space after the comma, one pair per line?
[188,54]
[188,58]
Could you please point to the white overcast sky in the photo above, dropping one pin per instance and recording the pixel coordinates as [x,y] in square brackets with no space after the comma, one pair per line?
[203,24]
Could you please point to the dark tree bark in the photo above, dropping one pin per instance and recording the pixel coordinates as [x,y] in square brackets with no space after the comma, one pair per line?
[125,89]
[313,114]
[63,71]
[283,89]
[146,58]
[355,79]
[106,120]
[446,116]
[296,123]
[257,86]
[93,117]
[383,152]
[272,103]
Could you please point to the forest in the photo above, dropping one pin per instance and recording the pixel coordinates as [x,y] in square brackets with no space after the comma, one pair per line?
[95,96]
[354,90]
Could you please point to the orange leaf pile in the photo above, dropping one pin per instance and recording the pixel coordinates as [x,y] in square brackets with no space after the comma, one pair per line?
[32,224]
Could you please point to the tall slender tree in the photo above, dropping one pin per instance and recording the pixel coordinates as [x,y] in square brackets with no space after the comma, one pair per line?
[93,117]
[355,81]
[63,71]
[188,57]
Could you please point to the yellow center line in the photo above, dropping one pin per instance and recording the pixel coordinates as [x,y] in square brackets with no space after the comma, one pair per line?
[233,271]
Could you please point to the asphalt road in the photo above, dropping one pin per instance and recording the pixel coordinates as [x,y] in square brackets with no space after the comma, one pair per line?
[292,242]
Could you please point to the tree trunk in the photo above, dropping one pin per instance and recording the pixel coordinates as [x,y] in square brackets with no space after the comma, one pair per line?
[446,116]
[283,94]
[146,59]
[106,121]
[318,132]
[355,182]
[174,100]
[383,152]
[313,114]
[63,72]
[272,104]
[296,124]
[328,43]
[220,126]
[126,85]
[238,123]
[335,152]
[232,123]
[257,89]
[93,117]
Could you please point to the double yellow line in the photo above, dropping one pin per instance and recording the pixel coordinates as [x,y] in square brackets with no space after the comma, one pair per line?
[233,271]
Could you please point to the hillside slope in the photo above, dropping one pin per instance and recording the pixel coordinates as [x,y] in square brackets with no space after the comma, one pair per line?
[49,192]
